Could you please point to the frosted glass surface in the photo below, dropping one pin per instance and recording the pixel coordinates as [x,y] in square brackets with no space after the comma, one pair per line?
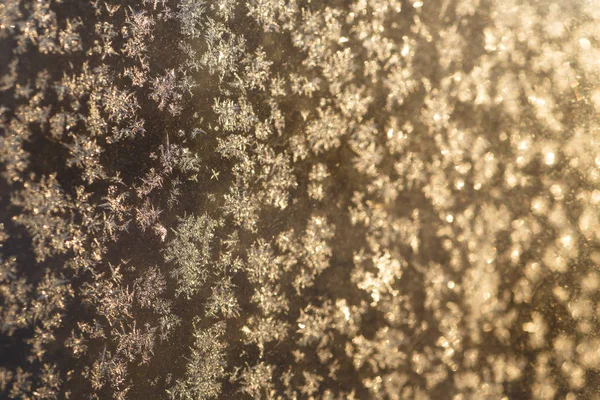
[296,199]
